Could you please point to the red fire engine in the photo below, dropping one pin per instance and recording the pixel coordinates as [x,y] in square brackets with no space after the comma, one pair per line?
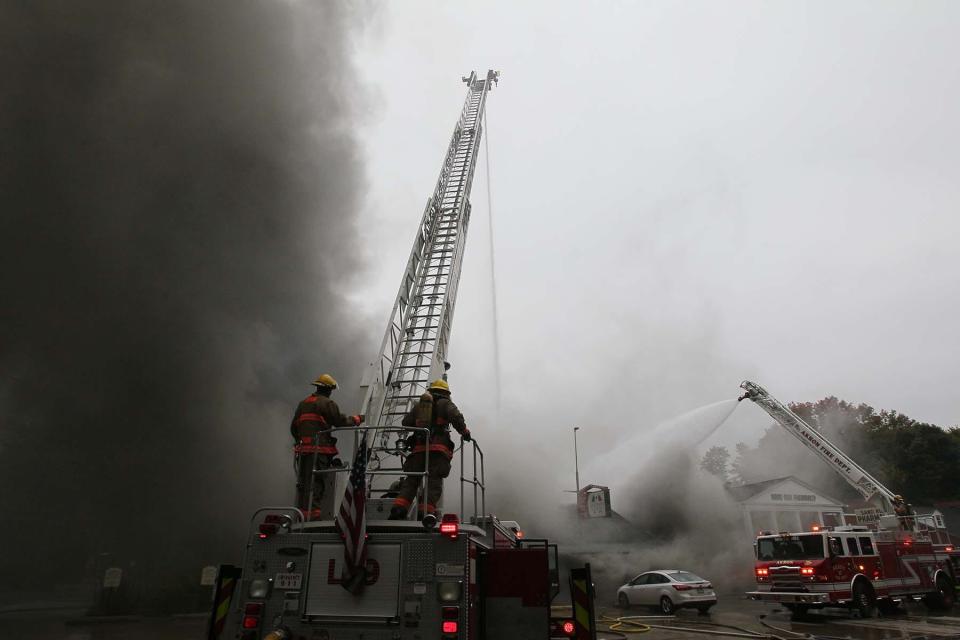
[850,566]
[470,580]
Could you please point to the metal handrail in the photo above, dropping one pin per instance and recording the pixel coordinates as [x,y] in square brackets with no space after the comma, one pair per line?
[475,483]
[357,431]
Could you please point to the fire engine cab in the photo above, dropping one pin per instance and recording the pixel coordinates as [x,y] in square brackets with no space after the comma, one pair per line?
[858,567]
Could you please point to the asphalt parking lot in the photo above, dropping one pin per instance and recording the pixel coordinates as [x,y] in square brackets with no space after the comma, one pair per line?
[733,617]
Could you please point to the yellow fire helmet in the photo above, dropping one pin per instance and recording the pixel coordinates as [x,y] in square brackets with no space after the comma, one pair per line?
[326,380]
[440,385]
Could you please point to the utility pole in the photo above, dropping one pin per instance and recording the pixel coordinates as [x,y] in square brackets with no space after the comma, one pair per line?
[576,460]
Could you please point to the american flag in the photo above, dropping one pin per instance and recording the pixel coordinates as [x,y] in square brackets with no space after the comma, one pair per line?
[352,523]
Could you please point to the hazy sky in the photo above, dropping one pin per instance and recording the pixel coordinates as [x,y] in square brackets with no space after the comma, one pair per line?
[685,194]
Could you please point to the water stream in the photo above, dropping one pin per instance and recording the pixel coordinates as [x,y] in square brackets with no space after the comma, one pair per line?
[685,432]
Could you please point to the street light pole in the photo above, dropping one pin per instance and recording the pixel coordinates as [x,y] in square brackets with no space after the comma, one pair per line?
[576,460]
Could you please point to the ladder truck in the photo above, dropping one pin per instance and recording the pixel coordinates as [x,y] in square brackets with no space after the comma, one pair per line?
[848,566]
[473,577]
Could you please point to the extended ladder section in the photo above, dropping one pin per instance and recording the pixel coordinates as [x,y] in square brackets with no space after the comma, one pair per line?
[414,348]
[857,476]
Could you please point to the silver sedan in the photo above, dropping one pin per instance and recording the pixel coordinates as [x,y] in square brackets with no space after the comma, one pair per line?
[668,590]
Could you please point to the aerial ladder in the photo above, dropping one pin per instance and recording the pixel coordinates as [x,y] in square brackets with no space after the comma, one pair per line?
[866,485]
[414,347]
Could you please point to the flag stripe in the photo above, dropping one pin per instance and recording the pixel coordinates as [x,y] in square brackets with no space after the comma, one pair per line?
[352,518]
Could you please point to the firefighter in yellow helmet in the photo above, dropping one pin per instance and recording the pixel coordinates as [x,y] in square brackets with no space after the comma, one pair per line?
[437,411]
[314,448]
[904,513]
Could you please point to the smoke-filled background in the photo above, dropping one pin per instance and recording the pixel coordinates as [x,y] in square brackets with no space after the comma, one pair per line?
[206,204]
[180,185]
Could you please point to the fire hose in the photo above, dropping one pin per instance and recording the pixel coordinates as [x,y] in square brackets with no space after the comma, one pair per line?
[623,625]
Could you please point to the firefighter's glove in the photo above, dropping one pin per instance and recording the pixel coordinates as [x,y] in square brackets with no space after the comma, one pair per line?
[336,462]
[466,435]
[356,420]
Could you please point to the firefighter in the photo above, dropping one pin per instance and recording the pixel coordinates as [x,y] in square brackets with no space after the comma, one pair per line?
[435,410]
[314,448]
[904,513]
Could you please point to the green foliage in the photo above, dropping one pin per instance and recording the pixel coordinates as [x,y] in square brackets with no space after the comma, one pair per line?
[919,460]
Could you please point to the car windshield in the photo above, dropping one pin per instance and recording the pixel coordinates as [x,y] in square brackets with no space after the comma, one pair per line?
[790,547]
[685,576]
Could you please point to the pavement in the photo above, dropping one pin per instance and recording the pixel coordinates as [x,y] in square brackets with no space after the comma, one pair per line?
[739,617]
[733,617]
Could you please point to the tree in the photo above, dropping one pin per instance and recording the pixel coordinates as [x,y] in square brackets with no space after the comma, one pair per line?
[714,461]
[736,468]
[915,459]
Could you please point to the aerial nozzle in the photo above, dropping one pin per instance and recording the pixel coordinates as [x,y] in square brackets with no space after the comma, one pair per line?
[750,389]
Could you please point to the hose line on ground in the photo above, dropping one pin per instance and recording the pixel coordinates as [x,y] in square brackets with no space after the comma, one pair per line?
[633,624]
[625,624]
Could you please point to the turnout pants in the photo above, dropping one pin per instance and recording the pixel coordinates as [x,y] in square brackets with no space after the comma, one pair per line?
[439,469]
[311,487]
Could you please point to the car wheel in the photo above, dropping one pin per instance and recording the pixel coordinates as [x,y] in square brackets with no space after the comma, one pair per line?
[666,606]
[943,599]
[623,600]
[864,600]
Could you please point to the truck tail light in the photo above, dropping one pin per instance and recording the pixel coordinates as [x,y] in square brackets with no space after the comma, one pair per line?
[562,627]
[762,572]
[253,609]
[449,624]
[807,571]
[450,526]
[251,622]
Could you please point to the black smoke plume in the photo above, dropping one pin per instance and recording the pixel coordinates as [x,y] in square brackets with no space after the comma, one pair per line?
[179,182]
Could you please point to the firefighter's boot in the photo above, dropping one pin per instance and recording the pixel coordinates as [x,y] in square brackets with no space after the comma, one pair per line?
[398,513]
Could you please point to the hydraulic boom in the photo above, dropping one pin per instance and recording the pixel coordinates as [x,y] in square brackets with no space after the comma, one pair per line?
[868,486]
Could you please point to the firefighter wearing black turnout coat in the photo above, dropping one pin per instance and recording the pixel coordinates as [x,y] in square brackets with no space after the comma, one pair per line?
[314,447]
[436,410]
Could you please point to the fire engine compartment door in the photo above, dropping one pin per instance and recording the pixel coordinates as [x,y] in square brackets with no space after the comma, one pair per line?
[328,599]
[515,593]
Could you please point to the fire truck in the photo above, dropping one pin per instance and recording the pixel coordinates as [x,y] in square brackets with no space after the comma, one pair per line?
[471,580]
[468,575]
[857,567]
